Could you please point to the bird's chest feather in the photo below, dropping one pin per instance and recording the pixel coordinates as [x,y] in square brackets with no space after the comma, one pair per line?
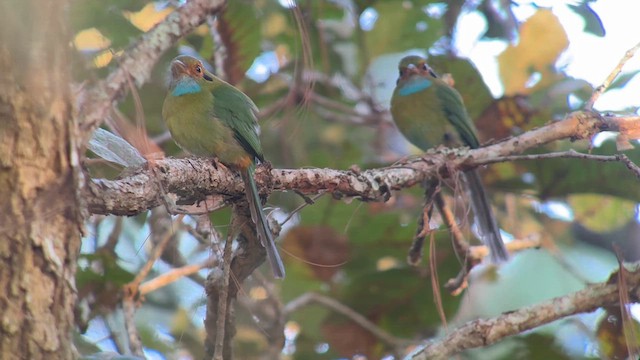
[420,116]
[190,119]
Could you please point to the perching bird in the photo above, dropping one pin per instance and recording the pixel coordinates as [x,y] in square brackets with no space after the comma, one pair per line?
[209,117]
[429,112]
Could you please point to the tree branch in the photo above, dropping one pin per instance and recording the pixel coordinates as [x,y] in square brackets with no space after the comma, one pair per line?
[612,76]
[190,180]
[483,332]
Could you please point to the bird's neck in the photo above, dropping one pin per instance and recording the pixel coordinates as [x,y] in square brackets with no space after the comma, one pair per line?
[413,85]
[184,86]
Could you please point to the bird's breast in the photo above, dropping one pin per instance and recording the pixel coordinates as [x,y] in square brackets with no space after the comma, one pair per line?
[419,116]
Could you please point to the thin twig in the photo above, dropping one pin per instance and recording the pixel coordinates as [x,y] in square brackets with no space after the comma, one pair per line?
[119,337]
[174,275]
[554,155]
[435,282]
[129,311]
[223,295]
[334,105]
[308,201]
[219,50]
[155,255]
[423,225]
[635,169]
[614,73]
[309,298]
[628,324]
[460,244]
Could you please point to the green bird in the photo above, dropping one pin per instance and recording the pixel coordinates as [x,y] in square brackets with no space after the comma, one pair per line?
[211,118]
[429,112]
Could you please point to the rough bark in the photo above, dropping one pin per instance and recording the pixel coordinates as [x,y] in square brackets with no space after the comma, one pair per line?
[40,221]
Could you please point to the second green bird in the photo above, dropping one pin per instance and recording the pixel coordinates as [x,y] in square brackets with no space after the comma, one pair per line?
[429,112]
[209,117]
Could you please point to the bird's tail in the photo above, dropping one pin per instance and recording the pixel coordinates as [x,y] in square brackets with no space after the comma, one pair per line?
[264,233]
[486,223]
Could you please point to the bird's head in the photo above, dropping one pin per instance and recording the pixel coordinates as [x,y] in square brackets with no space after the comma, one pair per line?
[413,65]
[185,65]
[188,76]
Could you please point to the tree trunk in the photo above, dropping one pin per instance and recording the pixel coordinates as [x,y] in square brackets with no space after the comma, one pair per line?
[40,220]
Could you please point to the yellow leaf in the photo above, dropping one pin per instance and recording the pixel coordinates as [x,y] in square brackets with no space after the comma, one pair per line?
[275,25]
[601,213]
[148,16]
[542,40]
[103,58]
[90,40]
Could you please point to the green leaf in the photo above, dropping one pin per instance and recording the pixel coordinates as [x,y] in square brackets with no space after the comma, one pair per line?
[112,272]
[612,212]
[468,82]
[592,22]
[399,27]
[623,79]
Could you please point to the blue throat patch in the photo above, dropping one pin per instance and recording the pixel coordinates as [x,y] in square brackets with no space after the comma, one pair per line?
[185,86]
[414,86]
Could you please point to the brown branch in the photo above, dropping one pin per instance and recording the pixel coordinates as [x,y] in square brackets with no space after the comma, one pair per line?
[95,104]
[614,73]
[129,312]
[569,154]
[245,260]
[483,332]
[223,293]
[173,276]
[629,164]
[139,192]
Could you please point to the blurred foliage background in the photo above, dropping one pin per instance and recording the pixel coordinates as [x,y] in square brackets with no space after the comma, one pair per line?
[322,73]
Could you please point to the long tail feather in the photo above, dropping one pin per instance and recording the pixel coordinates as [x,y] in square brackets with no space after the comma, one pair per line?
[488,229]
[264,233]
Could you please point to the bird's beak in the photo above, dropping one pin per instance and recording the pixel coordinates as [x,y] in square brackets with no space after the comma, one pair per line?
[178,68]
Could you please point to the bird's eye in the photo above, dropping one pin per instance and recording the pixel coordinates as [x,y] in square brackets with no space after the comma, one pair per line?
[425,67]
[198,69]
[401,72]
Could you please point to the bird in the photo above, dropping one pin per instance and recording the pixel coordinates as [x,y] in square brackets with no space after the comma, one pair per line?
[209,117]
[429,112]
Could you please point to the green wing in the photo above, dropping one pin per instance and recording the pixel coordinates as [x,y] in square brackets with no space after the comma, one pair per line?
[237,111]
[456,113]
